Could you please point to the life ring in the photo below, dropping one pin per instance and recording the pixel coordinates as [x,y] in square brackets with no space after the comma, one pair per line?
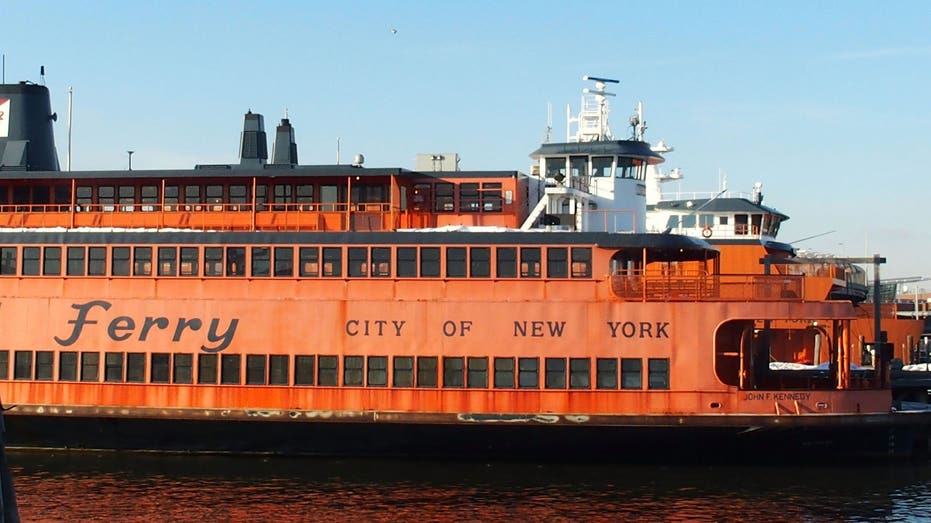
[706,232]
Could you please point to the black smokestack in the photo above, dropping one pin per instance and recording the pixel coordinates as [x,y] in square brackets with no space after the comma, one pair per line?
[253,146]
[27,140]
[284,150]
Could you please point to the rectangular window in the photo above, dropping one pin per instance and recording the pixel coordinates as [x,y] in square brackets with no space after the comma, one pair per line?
[90,366]
[160,367]
[528,373]
[230,369]
[142,261]
[358,258]
[171,196]
[631,373]
[506,262]
[430,262]
[120,265]
[504,373]
[149,196]
[214,195]
[261,197]
[281,193]
[235,261]
[403,372]
[127,196]
[555,373]
[135,367]
[658,374]
[455,262]
[4,365]
[183,371]
[22,365]
[444,197]
[84,197]
[530,262]
[352,371]
[453,372]
[426,371]
[327,371]
[238,194]
[213,261]
[407,262]
[581,262]
[491,197]
[556,264]
[189,262]
[44,362]
[480,262]
[8,261]
[278,369]
[310,261]
[284,262]
[381,262]
[332,262]
[261,261]
[477,376]
[255,369]
[304,370]
[167,261]
[106,197]
[606,370]
[304,194]
[51,261]
[377,375]
[580,376]
[113,367]
[192,195]
[68,366]
[468,198]
[207,368]
[75,263]
[96,261]
[31,261]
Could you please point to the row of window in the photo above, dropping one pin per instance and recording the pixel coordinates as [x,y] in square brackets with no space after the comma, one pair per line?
[332,371]
[440,196]
[466,197]
[310,261]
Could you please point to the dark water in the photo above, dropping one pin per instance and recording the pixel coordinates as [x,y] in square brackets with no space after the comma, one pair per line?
[121,487]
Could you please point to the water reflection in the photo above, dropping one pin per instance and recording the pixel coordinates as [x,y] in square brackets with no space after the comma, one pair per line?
[109,487]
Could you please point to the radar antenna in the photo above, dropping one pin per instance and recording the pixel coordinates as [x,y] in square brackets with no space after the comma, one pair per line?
[592,122]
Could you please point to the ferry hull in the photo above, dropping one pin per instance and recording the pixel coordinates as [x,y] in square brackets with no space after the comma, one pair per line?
[608,438]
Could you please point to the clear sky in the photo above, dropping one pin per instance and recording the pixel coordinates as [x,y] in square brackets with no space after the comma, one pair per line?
[828,103]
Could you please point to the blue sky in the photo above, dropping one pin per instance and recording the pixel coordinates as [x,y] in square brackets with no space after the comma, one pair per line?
[827,103]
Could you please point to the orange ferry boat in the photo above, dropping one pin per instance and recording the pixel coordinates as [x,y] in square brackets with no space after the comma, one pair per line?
[268,306]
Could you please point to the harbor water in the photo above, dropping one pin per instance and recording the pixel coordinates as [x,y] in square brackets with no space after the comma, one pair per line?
[61,486]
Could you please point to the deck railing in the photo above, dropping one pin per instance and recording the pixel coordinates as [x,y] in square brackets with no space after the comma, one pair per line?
[637,286]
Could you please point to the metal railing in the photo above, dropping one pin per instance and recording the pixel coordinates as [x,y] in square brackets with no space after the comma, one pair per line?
[637,286]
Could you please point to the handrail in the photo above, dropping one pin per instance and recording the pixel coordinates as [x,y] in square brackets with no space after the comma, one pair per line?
[638,286]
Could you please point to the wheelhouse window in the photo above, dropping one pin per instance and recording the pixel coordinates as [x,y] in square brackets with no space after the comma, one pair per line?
[601,166]
[491,197]
[469,200]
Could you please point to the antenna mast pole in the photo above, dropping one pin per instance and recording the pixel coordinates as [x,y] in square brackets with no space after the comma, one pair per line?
[70,99]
